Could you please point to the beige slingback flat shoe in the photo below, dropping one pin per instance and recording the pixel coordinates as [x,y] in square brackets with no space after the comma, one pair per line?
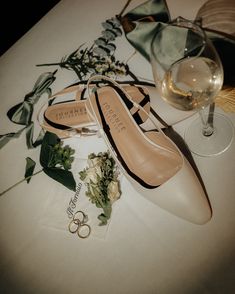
[151,161]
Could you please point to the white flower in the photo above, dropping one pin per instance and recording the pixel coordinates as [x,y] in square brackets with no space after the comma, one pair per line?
[93,162]
[92,174]
[113,191]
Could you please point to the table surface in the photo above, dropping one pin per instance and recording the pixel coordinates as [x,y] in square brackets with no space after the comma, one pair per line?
[144,249]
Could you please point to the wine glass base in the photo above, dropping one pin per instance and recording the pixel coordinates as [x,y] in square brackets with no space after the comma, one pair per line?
[212,145]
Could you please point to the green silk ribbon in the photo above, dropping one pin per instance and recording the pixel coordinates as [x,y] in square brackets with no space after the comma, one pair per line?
[22,112]
[141,23]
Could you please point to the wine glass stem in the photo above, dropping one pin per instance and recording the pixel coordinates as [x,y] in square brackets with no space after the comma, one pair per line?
[207,127]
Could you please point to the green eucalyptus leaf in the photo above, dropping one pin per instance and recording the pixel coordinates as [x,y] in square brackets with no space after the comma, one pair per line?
[117,31]
[107,25]
[109,35]
[100,41]
[115,22]
[29,169]
[101,51]
[110,47]
[64,177]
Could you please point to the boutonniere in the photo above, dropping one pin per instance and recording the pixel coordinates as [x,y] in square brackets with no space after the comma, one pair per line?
[101,180]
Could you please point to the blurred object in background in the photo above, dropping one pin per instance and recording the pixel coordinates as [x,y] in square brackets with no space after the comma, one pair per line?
[219,15]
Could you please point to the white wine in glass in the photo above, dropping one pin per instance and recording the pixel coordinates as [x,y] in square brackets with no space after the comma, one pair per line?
[188,73]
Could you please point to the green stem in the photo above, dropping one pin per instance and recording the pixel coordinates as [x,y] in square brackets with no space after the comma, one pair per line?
[124,8]
[49,64]
[21,181]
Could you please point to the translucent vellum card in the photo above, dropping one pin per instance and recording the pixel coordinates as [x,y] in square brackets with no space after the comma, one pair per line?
[63,204]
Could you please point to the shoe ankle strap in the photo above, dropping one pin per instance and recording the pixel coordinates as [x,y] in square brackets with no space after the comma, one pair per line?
[135,104]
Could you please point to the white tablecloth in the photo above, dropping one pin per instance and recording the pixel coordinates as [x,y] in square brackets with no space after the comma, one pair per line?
[144,249]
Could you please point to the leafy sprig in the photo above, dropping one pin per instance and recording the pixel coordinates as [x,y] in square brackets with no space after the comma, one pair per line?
[56,161]
[99,58]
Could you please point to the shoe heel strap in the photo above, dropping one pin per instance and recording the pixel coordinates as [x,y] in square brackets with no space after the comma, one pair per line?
[115,83]
[100,77]
[70,131]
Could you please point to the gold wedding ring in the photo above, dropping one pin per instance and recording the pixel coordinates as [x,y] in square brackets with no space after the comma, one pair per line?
[80,214]
[74,226]
[78,225]
[86,228]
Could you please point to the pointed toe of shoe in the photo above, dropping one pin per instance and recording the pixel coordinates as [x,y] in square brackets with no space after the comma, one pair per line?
[183,196]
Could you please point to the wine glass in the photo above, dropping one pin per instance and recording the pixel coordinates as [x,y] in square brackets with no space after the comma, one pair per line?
[188,73]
